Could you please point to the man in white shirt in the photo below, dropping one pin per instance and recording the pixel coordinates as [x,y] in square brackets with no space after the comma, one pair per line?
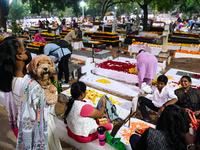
[162,96]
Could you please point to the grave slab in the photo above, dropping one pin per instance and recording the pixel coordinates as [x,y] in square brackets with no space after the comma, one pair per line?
[99,55]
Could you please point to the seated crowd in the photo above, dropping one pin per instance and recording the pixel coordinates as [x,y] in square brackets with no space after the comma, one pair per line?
[172,127]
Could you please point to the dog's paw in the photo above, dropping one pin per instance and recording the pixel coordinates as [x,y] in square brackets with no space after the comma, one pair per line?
[52,100]
[52,88]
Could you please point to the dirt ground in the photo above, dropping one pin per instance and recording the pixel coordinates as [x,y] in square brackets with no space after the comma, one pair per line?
[8,140]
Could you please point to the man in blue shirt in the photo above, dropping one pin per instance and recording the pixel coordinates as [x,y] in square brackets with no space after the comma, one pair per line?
[190,22]
[61,55]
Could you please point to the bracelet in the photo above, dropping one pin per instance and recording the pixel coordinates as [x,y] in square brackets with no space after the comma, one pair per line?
[189,145]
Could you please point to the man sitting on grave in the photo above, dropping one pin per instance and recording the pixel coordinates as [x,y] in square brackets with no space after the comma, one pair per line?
[188,97]
[162,97]
[57,50]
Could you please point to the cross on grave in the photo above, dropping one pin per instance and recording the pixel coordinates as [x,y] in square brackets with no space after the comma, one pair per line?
[165,38]
[164,54]
[88,67]
[2,29]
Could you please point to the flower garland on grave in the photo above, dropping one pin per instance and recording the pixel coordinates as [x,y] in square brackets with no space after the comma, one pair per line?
[93,95]
[186,52]
[126,67]
[196,76]
[134,126]
[104,81]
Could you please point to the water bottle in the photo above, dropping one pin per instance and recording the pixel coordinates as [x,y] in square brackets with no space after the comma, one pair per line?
[101,135]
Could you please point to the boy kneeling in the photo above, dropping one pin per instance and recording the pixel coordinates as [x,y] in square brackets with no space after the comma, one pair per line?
[162,96]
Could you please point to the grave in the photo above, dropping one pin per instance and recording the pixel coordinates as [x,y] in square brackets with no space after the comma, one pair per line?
[181,73]
[122,76]
[100,55]
[72,67]
[114,86]
[123,108]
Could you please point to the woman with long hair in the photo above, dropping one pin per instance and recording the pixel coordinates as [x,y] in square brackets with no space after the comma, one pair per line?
[81,124]
[13,61]
[169,134]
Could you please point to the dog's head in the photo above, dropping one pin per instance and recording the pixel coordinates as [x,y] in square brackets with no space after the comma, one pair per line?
[41,67]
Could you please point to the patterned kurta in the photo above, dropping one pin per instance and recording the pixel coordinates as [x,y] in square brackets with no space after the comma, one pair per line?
[36,127]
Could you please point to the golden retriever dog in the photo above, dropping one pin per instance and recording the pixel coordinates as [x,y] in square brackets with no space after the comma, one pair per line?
[42,68]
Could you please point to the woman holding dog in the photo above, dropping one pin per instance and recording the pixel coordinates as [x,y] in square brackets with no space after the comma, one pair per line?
[81,124]
[38,96]
[13,61]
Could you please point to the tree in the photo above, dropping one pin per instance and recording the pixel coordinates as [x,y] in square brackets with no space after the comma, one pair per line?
[189,7]
[106,4]
[36,6]
[16,11]
[4,9]
[161,5]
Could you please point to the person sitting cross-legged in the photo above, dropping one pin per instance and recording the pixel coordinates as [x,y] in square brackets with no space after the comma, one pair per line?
[80,116]
[162,97]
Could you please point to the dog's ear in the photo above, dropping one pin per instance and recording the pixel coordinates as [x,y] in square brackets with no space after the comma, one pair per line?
[31,70]
[53,65]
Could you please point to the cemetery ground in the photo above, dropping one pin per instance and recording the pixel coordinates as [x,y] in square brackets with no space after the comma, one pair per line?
[8,139]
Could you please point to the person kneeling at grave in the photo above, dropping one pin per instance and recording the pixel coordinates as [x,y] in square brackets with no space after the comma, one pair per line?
[162,97]
[188,97]
[79,116]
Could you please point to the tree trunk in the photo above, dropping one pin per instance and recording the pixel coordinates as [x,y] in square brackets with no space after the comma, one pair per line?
[145,9]
[3,18]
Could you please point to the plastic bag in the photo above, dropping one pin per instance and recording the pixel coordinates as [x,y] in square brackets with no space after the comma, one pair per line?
[114,142]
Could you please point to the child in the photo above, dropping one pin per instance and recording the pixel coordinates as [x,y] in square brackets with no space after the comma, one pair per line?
[162,97]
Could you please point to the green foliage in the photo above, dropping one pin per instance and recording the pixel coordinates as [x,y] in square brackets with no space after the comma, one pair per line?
[16,30]
[16,11]
[190,6]
[36,6]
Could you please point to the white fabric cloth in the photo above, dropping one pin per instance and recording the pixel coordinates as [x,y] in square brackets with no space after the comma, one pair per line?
[53,141]
[153,50]
[160,98]
[16,92]
[82,126]
[78,45]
